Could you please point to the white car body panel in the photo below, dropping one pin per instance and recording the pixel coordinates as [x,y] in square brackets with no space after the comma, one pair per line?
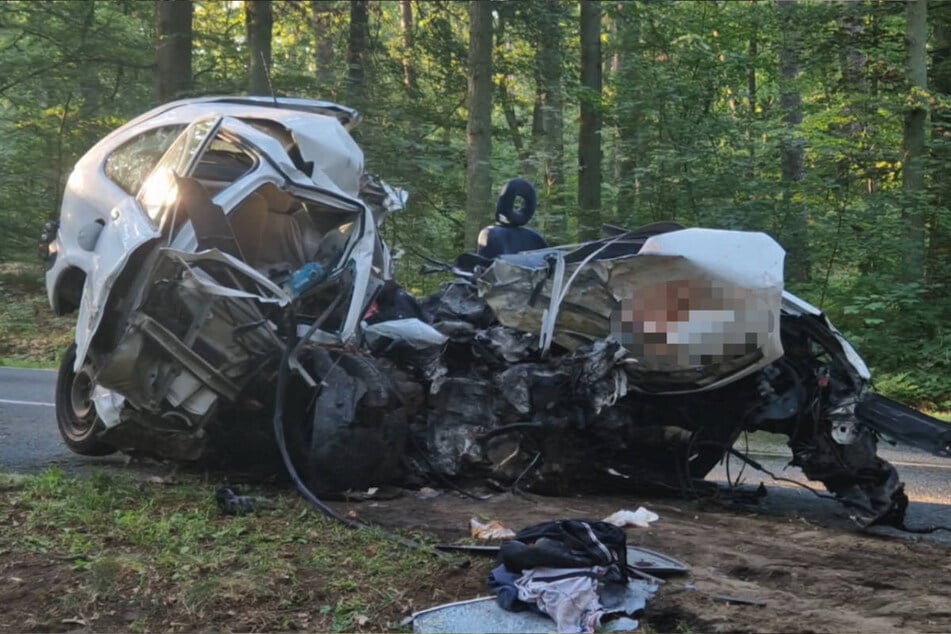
[128,230]
[798,306]
[90,194]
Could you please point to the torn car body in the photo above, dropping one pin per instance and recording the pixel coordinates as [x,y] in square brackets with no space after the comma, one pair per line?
[244,281]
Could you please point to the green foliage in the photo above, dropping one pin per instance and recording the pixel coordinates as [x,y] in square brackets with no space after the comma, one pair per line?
[695,130]
[30,335]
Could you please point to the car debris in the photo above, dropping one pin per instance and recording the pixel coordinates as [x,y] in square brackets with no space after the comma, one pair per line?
[483,615]
[656,564]
[224,261]
[231,502]
[574,571]
[493,529]
[641,518]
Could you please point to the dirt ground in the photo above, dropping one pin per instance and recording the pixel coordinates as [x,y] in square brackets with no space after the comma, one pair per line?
[810,578]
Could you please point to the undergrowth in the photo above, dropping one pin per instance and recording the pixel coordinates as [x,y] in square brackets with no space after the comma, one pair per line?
[155,549]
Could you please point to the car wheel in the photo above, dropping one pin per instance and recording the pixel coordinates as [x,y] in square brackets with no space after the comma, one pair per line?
[75,411]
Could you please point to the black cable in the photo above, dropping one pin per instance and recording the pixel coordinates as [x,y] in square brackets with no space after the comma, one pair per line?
[306,493]
[760,467]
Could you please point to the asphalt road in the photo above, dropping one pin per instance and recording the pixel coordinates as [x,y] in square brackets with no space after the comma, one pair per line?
[29,442]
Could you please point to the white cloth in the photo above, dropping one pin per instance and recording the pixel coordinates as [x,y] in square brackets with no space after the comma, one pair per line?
[568,595]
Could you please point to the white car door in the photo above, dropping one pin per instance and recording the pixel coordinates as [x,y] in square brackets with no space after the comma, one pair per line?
[133,223]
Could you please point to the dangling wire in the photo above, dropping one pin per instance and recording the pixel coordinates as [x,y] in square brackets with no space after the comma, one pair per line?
[282,386]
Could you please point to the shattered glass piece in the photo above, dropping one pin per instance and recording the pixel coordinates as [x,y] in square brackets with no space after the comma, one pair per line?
[484,616]
[628,598]
[653,562]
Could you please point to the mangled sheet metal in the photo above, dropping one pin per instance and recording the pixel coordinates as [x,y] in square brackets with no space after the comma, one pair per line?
[246,255]
[695,308]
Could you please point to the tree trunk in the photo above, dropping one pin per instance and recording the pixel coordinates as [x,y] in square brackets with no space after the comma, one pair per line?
[258,21]
[479,126]
[503,43]
[173,48]
[550,109]
[753,49]
[938,263]
[322,13]
[630,126]
[358,45]
[90,88]
[792,162]
[913,145]
[409,44]
[526,164]
[589,135]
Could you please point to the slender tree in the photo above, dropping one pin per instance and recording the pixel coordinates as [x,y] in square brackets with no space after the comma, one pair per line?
[589,134]
[938,263]
[173,48]
[407,30]
[792,157]
[628,114]
[322,13]
[90,88]
[548,128]
[507,98]
[752,49]
[479,125]
[913,144]
[358,46]
[258,20]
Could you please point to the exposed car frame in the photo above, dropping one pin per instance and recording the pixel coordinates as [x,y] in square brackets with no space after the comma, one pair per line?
[231,274]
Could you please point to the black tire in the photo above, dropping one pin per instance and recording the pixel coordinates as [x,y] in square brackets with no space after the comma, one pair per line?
[75,412]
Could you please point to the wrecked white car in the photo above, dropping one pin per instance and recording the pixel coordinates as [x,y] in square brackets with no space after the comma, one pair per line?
[234,298]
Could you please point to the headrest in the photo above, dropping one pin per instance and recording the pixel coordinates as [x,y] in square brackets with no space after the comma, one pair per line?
[504,207]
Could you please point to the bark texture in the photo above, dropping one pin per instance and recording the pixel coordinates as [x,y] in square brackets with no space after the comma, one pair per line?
[479,125]
[173,48]
[258,20]
[589,136]
[913,142]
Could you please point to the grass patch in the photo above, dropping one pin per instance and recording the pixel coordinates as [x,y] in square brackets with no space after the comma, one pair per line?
[31,336]
[134,555]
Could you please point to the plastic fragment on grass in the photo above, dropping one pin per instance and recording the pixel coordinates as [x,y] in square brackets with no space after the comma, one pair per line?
[641,518]
[492,529]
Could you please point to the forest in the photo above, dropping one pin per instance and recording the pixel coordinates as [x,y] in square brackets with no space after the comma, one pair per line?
[825,124]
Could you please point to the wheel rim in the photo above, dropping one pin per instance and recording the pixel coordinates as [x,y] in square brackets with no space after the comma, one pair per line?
[80,400]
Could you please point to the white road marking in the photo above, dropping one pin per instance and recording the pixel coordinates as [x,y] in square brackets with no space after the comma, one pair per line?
[4,401]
